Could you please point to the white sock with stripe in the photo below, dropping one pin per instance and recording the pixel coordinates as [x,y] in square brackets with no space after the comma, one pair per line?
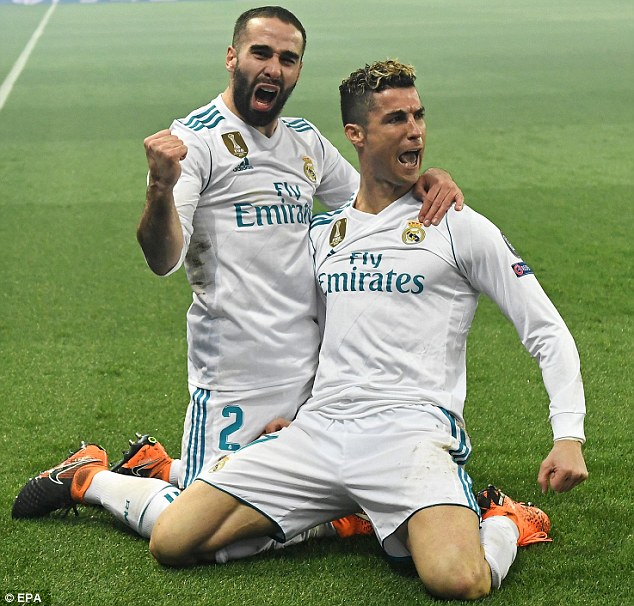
[137,502]
[498,536]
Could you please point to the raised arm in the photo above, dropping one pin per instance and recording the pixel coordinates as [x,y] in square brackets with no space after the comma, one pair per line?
[159,232]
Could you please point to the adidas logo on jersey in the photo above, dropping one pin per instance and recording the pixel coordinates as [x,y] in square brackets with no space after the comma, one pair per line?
[244,165]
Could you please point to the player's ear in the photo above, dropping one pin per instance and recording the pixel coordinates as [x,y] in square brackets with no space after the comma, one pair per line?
[231,59]
[355,134]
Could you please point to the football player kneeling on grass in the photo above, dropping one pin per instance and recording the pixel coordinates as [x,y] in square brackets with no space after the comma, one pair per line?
[384,428]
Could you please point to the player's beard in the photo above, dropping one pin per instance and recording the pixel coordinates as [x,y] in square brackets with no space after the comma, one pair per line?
[243,93]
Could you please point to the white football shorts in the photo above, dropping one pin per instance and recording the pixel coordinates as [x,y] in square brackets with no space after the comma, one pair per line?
[218,423]
[390,465]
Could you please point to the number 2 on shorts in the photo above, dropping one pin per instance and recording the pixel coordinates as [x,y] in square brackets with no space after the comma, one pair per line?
[238,420]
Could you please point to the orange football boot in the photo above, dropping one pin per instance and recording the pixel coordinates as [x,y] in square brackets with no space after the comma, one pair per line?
[533,524]
[62,486]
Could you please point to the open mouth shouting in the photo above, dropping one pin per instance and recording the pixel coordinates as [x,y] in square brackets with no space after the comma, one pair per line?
[410,158]
[259,103]
[264,96]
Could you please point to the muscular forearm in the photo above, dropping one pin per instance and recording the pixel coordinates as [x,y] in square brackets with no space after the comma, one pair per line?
[159,232]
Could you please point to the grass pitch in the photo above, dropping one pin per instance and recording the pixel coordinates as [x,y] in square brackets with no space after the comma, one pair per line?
[529,107]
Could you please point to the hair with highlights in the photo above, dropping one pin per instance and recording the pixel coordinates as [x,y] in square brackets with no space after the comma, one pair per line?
[357,89]
[266,12]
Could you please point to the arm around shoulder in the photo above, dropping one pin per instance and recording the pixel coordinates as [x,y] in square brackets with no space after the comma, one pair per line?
[439,192]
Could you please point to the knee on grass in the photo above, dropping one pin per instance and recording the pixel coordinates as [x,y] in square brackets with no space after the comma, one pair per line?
[457,581]
[169,549]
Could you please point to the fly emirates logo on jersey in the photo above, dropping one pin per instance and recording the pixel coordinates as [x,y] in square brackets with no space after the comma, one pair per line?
[288,208]
[367,274]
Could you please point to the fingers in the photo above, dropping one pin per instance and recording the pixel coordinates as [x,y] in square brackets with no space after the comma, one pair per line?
[562,477]
[276,425]
[458,201]
[543,476]
[164,152]
[159,135]
[561,481]
[437,201]
[165,144]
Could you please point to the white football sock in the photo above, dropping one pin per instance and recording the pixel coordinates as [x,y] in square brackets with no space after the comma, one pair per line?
[249,547]
[498,536]
[175,469]
[137,502]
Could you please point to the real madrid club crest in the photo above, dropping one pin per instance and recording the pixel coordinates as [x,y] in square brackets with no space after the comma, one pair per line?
[338,232]
[413,233]
[220,464]
[309,169]
[234,142]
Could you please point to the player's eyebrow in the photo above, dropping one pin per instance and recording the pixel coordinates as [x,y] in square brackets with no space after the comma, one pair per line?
[267,50]
[290,55]
[401,113]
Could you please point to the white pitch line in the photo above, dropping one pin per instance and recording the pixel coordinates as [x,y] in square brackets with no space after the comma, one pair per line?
[18,66]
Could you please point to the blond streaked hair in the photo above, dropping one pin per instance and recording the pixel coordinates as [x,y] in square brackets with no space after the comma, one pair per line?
[357,89]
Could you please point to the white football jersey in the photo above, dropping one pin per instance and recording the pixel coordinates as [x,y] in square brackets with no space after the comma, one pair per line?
[245,204]
[400,299]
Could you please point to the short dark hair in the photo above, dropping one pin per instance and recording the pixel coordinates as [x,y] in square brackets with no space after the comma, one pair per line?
[266,12]
[357,89]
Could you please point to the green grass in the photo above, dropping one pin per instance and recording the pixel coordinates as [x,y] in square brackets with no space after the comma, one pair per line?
[529,107]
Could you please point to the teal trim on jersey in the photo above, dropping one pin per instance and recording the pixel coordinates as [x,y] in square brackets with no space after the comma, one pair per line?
[320,220]
[300,125]
[195,118]
[327,217]
[209,124]
[264,438]
[196,440]
[209,119]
